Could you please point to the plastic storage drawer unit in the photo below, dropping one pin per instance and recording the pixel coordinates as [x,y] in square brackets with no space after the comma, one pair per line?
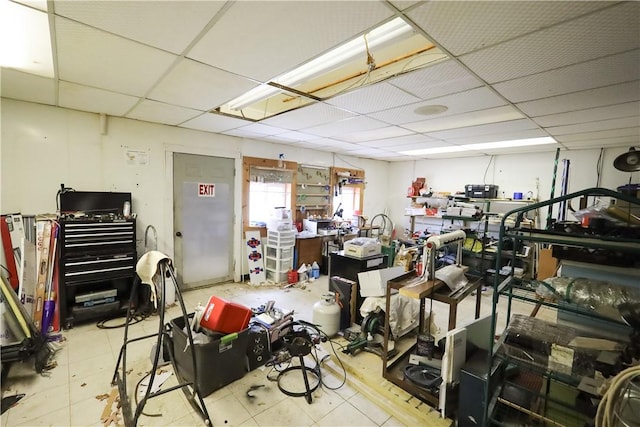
[221,315]
[218,362]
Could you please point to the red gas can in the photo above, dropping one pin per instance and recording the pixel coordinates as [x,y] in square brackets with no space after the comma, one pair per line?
[223,316]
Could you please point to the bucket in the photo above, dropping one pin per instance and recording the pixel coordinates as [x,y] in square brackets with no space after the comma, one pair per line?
[425,345]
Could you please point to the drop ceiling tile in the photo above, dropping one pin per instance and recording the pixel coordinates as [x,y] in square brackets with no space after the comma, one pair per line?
[98,59]
[633,131]
[629,109]
[85,98]
[610,31]
[471,100]
[199,86]
[609,95]
[492,128]
[180,21]
[502,136]
[621,141]
[294,136]
[210,122]
[37,4]
[27,87]
[308,116]
[390,143]
[615,69]
[372,135]
[380,96]
[599,125]
[462,27]
[243,133]
[261,129]
[438,80]
[157,112]
[247,38]
[351,124]
[474,118]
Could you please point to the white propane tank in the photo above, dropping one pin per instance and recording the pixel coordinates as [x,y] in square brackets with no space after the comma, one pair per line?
[326,314]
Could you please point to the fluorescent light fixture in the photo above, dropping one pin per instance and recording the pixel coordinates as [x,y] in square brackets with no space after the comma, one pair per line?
[393,31]
[436,150]
[482,146]
[512,143]
[25,40]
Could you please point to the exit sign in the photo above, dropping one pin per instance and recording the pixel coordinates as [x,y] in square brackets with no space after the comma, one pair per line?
[206,190]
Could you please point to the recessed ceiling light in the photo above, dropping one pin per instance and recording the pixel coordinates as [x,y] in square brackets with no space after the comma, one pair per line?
[430,110]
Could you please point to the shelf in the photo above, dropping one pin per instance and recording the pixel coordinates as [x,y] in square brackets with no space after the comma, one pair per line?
[317,205]
[299,184]
[562,352]
[461,218]
[313,195]
[594,242]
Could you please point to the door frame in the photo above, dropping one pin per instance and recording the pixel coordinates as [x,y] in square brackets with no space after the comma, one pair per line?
[169,230]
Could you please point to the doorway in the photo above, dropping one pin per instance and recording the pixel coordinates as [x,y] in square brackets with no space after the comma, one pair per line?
[203,188]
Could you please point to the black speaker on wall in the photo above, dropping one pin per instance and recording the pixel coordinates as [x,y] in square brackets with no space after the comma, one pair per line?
[258,347]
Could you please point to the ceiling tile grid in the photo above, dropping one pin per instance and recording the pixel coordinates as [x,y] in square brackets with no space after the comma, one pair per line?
[158,112]
[608,95]
[85,98]
[464,26]
[629,109]
[487,129]
[352,124]
[313,115]
[502,136]
[633,131]
[625,122]
[209,122]
[620,141]
[98,59]
[615,69]
[27,87]
[377,97]
[140,20]
[437,80]
[250,34]
[566,44]
[375,134]
[471,100]
[195,85]
[489,115]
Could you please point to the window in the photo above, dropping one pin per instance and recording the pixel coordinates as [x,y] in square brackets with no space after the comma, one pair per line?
[267,184]
[347,200]
[264,197]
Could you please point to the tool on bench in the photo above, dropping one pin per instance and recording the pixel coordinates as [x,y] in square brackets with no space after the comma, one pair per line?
[370,338]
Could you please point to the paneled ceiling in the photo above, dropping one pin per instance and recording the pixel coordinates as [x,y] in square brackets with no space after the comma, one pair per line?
[515,70]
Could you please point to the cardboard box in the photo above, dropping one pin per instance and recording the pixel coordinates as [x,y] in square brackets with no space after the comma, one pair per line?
[374,283]
[362,247]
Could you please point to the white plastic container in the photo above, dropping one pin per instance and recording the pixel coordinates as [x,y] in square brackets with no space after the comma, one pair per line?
[326,314]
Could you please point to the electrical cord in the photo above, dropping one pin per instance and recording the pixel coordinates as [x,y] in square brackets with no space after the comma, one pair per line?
[605,416]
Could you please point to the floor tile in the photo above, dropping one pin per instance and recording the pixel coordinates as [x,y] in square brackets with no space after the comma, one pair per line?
[53,419]
[38,403]
[323,402]
[227,411]
[372,411]
[345,415]
[285,413]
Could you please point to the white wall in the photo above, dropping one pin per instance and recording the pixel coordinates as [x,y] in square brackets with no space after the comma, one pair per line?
[43,147]
[512,173]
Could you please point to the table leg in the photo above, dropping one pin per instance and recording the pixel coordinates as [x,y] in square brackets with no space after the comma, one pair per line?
[478,300]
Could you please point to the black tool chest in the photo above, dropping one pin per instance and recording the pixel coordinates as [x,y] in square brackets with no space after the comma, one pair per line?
[97,267]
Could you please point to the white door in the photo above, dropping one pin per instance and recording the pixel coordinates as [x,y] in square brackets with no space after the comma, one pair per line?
[203,219]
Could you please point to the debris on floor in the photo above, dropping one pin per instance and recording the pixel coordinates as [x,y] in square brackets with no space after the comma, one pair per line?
[111,415]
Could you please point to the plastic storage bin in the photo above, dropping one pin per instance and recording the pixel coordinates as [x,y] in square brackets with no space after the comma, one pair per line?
[277,276]
[281,264]
[280,253]
[221,315]
[281,239]
[218,363]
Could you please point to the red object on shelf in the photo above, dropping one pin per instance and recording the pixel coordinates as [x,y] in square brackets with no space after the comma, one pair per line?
[221,315]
